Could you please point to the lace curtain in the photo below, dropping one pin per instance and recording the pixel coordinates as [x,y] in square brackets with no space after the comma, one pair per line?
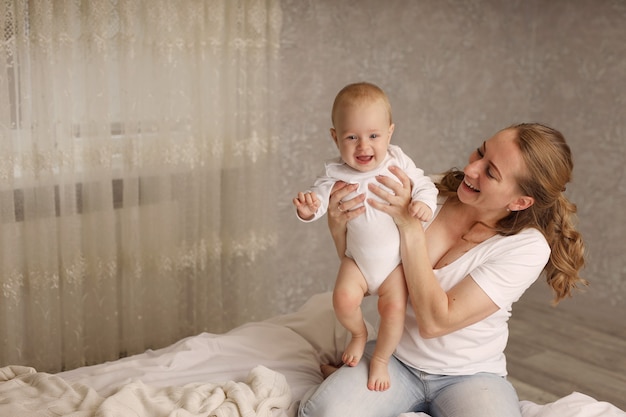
[135,140]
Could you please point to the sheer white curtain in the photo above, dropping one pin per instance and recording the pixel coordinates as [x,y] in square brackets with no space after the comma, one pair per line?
[137,149]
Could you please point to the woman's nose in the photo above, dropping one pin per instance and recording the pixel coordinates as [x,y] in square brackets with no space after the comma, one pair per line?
[472,169]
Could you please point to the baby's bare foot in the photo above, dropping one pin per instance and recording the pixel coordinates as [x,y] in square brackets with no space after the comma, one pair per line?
[354,351]
[379,379]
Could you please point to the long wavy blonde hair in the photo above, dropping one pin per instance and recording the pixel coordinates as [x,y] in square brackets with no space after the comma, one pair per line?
[549,164]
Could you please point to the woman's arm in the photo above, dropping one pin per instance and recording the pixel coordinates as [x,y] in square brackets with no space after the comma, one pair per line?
[437,312]
[339,213]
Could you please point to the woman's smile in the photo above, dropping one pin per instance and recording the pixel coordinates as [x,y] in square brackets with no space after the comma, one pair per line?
[470,186]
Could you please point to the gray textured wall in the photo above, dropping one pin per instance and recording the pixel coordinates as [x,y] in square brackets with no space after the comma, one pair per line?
[456,72]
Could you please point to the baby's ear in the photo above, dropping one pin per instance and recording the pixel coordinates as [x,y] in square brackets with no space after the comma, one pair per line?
[333,134]
[392,127]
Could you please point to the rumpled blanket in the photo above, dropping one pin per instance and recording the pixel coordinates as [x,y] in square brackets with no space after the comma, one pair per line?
[25,392]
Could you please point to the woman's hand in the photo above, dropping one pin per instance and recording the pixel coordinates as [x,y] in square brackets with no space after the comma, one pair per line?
[397,201]
[340,212]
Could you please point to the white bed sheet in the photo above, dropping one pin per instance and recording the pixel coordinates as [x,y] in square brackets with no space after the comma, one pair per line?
[292,345]
[258,369]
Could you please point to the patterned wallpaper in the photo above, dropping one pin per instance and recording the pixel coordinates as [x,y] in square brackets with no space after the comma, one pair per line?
[456,72]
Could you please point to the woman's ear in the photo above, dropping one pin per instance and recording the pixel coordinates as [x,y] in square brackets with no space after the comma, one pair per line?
[521,203]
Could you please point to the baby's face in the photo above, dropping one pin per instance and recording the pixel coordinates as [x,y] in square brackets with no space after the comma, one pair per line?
[362,133]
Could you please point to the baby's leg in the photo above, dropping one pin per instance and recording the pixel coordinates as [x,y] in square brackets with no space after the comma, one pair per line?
[350,288]
[391,306]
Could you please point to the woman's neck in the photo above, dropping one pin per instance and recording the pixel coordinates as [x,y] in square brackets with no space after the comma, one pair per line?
[469,223]
[471,215]
[455,231]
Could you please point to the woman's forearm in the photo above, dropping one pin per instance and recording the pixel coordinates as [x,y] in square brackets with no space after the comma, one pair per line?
[339,238]
[428,299]
[341,212]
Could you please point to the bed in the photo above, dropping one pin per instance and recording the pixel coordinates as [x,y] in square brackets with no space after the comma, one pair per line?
[258,369]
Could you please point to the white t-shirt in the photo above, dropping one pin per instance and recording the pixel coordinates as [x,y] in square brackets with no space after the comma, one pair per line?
[504,267]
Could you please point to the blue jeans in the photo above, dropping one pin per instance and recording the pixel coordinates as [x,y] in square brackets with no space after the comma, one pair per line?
[345,394]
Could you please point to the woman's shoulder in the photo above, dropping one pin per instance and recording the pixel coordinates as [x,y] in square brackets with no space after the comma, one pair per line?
[530,234]
[529,242]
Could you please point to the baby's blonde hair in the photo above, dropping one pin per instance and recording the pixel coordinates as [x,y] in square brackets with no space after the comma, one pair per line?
[360,92]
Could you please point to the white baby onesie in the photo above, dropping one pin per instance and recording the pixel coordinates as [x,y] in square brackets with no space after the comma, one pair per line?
[372,239]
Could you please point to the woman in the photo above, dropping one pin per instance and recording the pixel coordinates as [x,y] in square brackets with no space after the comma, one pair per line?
[499,223]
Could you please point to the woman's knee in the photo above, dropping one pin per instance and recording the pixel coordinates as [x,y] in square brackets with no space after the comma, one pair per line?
[345,393]
[329,398]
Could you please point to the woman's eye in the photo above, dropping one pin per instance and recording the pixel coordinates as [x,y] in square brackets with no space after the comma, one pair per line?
[481,155]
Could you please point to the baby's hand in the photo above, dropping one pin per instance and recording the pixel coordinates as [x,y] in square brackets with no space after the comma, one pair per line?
[420,211]
[307,205]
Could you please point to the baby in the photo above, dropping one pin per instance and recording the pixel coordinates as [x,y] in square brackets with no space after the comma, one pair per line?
[362,130]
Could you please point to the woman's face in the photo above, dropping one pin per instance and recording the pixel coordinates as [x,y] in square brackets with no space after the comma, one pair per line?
[490,182]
